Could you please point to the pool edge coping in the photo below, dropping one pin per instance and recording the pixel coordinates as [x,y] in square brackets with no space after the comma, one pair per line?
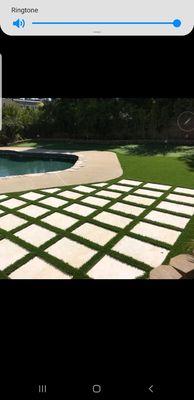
[91,166]
[78,164]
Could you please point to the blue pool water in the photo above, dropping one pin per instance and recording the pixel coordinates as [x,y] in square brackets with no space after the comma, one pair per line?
[20,164]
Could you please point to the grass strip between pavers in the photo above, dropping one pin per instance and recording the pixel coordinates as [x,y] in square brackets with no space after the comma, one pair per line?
[81,273]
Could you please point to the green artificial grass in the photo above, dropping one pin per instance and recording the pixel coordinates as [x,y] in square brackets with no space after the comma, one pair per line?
[101,250]
[159,169]
[160,163]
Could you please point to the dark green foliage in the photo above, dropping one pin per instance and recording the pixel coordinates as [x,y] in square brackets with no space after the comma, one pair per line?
[18,122]
[96,118]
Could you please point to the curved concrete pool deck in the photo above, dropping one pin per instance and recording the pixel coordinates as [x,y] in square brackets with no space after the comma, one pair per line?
[91,166]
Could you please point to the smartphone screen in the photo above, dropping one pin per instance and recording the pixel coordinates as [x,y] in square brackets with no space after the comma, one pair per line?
[96,195]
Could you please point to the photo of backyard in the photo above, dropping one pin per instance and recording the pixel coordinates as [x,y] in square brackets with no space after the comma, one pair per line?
[97,188]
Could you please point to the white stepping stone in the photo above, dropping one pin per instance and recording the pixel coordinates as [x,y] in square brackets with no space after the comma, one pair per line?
[60,220]
[31,196]
[33,211]
[167,219]
[80,210]
[2,197]
[10,253]
[52,190]
[139,200]
[12,203]
[180,199]
[72,253]
[109,194]
[35,235]
[157,186]
[102,184]
[10,221]
[184,191]
[141,251]
[94,233]
[156,232]
[178,208]
[113,219]
[150,193]
[1,212]
[38,269]
[84,189]
[127,209]
[70,195]
[129,182]
[110,268]
[95,201]
[53,202]
[120,188]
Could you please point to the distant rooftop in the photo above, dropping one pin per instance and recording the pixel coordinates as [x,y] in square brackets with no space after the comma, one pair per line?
[24,102]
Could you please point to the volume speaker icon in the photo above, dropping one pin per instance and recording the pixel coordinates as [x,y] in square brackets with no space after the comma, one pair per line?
[20,23]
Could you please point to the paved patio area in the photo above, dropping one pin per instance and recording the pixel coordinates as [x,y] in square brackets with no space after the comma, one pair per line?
[102,230]
[91,166]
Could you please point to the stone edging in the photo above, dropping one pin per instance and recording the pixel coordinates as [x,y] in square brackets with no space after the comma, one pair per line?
[180,267]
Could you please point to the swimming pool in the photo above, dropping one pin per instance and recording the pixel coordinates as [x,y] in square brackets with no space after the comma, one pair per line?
[17,163]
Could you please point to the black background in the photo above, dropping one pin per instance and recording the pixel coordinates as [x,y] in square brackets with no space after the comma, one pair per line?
[96,331]
[97,66]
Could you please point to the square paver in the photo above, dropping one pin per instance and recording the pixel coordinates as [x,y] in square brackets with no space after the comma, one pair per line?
[60,220]
[184,191]
[78,209]
[102,184]
[180,199]
[2,197]
[120,188]
[108,193]
[35,235]
[12,203]
[141,251]
[53,202]
[10,253]
[167,219]
[84,189]
[94,233]
[156,232]
[156,186]
[33,211]
[31,196]
[130,182]
[95,201]
[178,208]
[51,190]
[127,209]
[70,195]
[150,193]
[38,269]
[110,268]
[10,221]
[113,219]
[139,200]
[72,253]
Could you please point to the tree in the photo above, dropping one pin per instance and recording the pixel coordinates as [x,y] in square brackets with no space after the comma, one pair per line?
[12,123]
[96,118]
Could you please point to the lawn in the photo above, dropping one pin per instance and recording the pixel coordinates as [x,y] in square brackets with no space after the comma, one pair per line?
[172,165]
[168,164]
